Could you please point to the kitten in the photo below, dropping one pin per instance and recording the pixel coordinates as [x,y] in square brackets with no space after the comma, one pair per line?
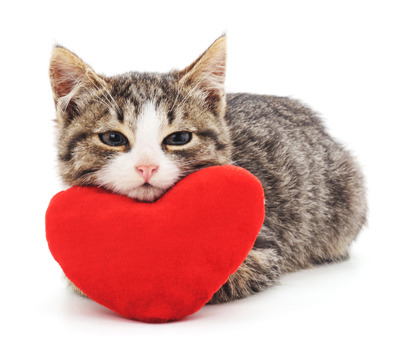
[137,134]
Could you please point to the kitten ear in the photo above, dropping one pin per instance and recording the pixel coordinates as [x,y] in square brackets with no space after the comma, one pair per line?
[69,77]
[207,75]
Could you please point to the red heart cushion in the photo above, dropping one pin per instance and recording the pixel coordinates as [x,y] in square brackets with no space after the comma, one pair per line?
[160,261]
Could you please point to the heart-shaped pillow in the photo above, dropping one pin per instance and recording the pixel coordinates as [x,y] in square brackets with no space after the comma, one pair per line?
[160,261]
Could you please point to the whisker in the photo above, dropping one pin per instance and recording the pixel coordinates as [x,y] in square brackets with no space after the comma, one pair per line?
[97,88]
[112,98]
[181,84]
[103,103]
[192,90]
[103,86]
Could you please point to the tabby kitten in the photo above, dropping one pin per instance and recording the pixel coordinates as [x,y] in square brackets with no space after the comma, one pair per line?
[137,134]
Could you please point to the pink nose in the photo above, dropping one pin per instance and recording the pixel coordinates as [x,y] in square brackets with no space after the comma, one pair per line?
[147,171]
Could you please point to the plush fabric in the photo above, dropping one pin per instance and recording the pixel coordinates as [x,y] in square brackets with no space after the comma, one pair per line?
[160,261]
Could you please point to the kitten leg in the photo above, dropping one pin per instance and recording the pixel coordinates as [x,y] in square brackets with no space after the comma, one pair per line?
[259,271]
[75,289]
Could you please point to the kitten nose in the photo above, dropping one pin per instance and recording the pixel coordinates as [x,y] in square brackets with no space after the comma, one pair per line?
[147,171]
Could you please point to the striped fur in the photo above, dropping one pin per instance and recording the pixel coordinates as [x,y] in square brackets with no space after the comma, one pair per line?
[315,198]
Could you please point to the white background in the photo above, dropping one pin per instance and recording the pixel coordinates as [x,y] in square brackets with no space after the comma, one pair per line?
[353,62]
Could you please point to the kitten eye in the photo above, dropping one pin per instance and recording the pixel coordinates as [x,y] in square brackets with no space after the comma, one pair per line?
[113,139]
[178,138]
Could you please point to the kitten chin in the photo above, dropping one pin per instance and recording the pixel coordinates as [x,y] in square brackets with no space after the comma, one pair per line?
[146,193]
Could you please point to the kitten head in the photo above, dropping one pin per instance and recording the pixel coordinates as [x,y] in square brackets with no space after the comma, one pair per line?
[137,134]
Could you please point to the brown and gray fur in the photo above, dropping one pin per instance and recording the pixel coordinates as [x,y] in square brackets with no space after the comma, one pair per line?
[315,198]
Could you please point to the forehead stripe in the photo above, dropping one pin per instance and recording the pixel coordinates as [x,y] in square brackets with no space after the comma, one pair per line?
[171,116]
[120,115]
